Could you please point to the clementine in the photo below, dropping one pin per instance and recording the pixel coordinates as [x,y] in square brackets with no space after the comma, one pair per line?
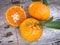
[30,30]
[15,15]
[39,10]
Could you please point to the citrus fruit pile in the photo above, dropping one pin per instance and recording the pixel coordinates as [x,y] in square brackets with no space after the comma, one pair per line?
[30,29]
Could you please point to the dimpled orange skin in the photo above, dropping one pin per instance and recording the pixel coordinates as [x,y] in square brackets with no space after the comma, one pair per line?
[29,32]
[11,11]
[39,11]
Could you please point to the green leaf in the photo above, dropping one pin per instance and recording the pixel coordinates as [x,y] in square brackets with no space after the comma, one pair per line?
[36,0]
[49,20]
[45,2]
[53,24]
[43,23]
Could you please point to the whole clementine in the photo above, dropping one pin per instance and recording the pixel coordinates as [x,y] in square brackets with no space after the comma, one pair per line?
[15,15]
[30,30]
[39,10]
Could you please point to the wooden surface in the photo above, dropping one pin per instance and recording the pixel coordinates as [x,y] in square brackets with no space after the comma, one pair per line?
[49,37]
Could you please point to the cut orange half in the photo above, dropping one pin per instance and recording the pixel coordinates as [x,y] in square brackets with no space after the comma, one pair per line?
[30,30]
[15,15]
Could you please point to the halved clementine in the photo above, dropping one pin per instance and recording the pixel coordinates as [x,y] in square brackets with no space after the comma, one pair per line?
[30,29]
[15,15]
[39,10]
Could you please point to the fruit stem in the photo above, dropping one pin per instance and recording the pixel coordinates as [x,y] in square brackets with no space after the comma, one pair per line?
[45,2]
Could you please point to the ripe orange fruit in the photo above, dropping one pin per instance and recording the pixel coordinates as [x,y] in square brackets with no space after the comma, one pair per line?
[30,30]
[15,15]
[39,11]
